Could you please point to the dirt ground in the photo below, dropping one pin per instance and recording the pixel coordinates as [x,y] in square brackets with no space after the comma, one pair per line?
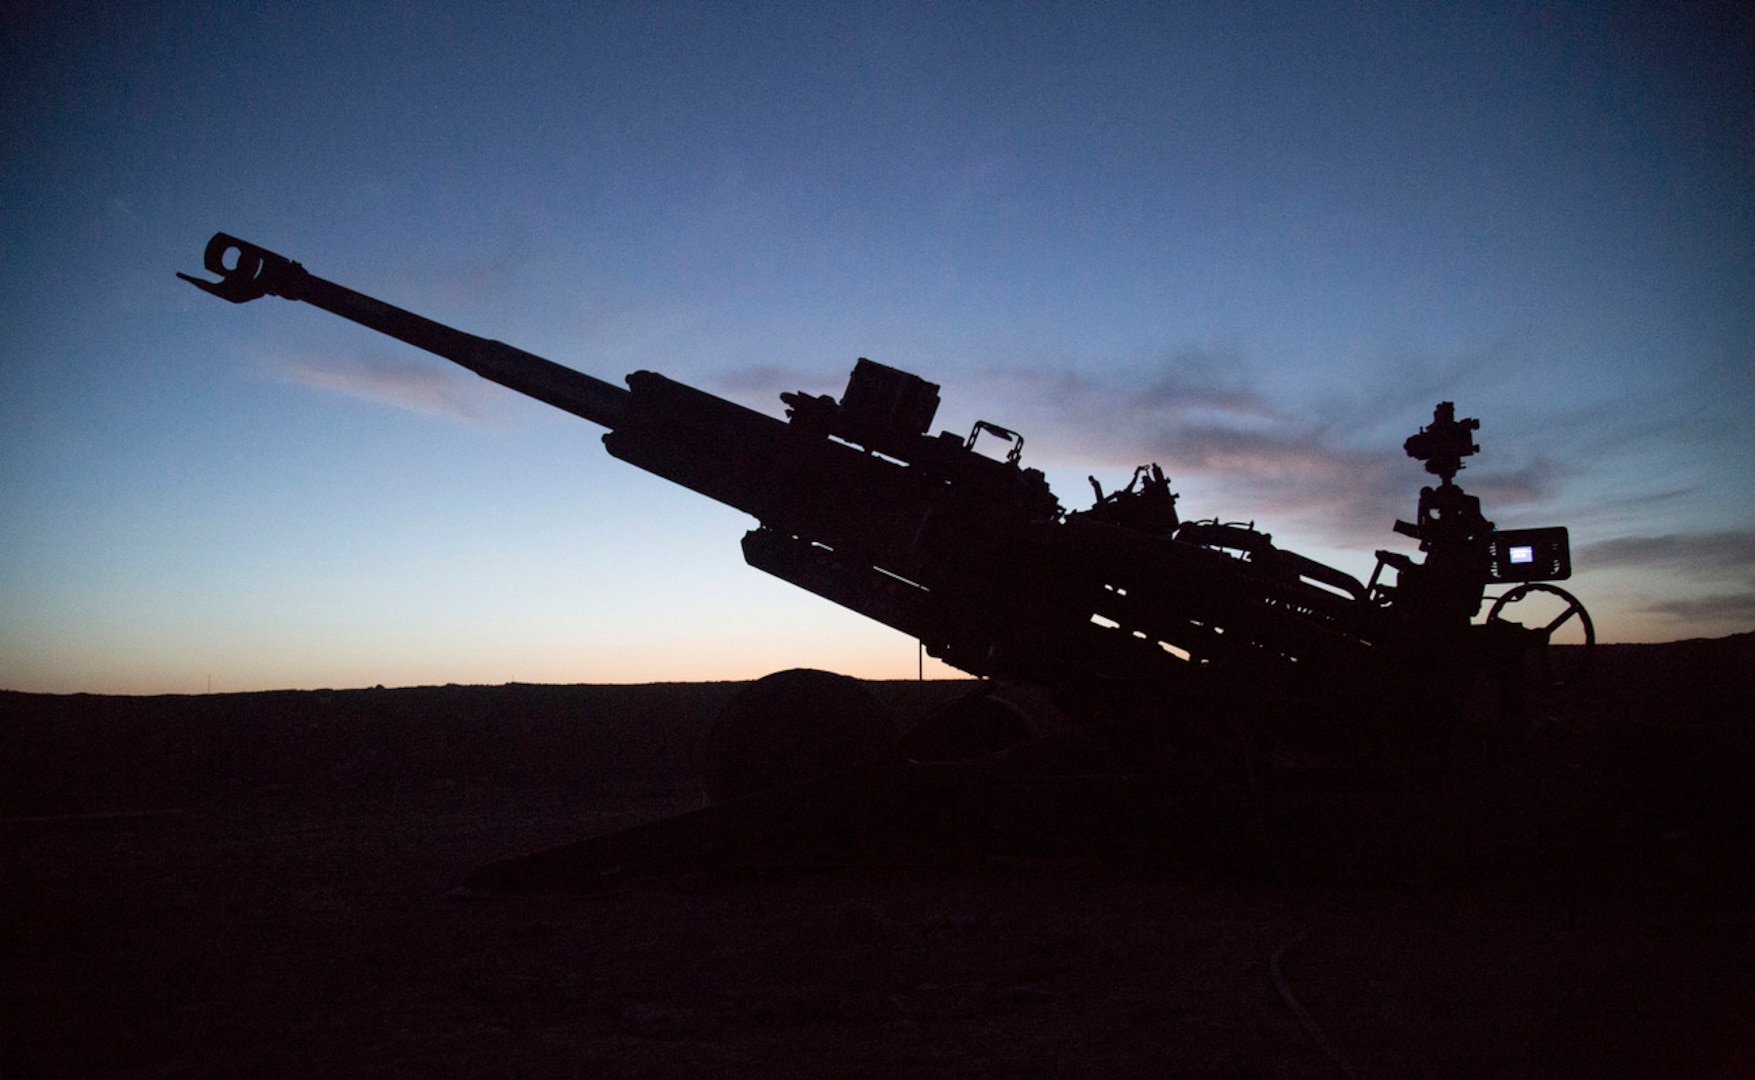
[261,885]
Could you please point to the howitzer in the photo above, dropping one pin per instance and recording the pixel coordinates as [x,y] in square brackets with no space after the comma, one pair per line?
[857,501]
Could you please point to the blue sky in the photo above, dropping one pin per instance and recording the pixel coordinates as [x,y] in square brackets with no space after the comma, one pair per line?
[1255,243]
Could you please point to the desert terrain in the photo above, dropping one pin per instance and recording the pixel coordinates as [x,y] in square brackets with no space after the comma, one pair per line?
[264,885]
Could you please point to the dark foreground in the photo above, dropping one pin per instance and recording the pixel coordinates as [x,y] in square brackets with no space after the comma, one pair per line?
[257,885]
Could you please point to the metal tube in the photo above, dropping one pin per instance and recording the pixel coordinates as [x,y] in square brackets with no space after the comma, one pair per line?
[254,271]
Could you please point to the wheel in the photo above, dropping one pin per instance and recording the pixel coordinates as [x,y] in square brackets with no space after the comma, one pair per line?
[791,726]
[1570,629]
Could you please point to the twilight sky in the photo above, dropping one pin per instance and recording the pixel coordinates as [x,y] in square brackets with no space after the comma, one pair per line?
[1255,243]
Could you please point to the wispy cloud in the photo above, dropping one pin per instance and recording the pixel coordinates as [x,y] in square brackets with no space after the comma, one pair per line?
[482,274]
[1717,551]
[1533,483]
[1716,568]
[425,388]
[768,381]
[1734,609]
[1200,416]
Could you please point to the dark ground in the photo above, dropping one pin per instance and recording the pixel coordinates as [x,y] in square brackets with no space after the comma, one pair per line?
[256,885]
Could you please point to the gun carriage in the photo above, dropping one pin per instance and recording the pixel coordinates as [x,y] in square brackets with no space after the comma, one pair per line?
[1136,621]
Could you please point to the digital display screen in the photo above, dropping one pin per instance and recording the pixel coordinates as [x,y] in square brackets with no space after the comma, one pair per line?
[1530,555]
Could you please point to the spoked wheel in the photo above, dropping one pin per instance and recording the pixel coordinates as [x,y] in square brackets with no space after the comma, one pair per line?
[1567,636]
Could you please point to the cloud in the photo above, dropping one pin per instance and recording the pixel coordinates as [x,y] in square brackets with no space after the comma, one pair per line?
[1330,467]
[1533,483]
[425,388]
[1702,560]
[769,381]
[477,275]
[1706,552]
[1193,383]
[1198,415]
[1733,608]
[1349,496]
[1184,384]
[1642,503]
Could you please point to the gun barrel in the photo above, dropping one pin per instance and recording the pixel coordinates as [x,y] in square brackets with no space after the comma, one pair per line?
[247,271]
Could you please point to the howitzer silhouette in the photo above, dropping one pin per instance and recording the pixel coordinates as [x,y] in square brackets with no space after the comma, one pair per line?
[1121,608]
